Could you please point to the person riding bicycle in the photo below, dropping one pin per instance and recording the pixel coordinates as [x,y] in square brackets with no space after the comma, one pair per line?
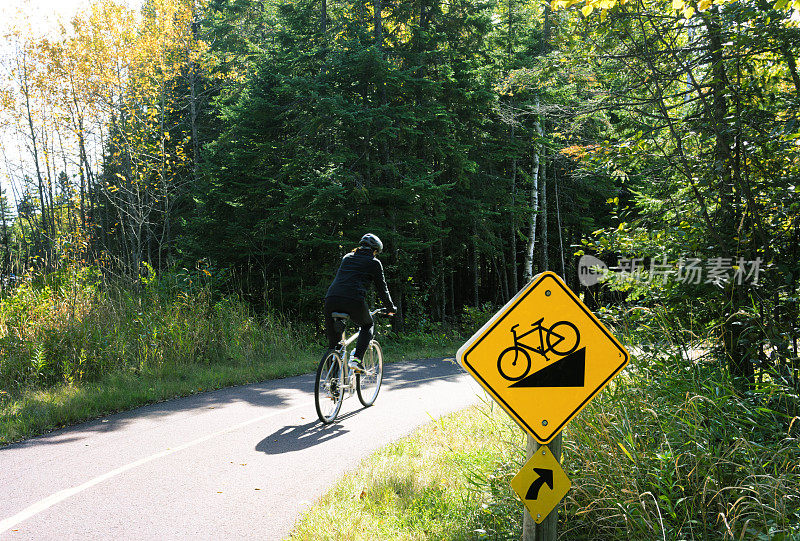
[348,293]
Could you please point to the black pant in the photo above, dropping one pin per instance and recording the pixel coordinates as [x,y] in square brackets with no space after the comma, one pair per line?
[359,314]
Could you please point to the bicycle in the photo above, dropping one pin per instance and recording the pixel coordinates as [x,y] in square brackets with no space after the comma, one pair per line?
[566,337]
[335,381]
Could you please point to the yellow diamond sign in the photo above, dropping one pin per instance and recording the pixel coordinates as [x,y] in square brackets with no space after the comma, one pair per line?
[541,484]
[543,356]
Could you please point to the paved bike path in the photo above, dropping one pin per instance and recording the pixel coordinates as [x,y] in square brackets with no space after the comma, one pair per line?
[238,463]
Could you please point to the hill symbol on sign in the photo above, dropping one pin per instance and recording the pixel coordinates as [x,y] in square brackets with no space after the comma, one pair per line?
[567,372]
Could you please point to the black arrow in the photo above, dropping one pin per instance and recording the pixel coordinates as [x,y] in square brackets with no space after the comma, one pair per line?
[545,476]
[567,372]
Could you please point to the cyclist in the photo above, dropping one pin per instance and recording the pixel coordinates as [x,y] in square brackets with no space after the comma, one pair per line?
[348,291]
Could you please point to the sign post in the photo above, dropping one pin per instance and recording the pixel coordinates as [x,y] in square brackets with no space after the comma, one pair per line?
[528,524]
[547,529]
[541,484]
[542,358]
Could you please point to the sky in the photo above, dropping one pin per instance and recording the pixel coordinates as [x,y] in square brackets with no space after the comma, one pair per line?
[44,12]
[44,17]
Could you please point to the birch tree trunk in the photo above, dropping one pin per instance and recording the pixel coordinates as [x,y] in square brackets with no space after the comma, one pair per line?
[43,234]
[193,98]
[544,254]
[476,280]
[513,238]
[537,126]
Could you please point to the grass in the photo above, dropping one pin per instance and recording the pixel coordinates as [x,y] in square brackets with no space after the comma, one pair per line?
[672,451]
[73,348]
[669,451]
[419,487]
[38,411]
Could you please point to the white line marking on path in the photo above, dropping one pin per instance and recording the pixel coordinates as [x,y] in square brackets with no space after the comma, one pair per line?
[53,499]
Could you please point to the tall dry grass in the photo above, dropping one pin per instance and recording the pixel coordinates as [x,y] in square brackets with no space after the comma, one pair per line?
[70,336]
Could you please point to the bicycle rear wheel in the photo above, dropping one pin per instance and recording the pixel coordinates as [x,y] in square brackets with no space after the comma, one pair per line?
[368,384]
[513,366]
[328,387]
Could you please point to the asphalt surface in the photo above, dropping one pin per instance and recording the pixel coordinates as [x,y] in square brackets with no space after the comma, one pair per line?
[238,463]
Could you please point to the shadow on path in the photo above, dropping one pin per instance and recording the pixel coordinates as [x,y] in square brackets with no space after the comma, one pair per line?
[396,376]
[299,437]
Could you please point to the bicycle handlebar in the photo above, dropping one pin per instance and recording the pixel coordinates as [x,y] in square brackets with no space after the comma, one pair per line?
[380,311]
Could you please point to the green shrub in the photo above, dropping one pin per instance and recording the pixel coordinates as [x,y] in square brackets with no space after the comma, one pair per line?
[73,346]
[474,318]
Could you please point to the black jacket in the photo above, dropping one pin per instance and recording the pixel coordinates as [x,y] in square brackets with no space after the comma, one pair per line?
[356,271]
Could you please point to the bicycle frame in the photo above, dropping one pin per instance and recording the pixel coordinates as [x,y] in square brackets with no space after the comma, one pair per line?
[354,336]
[350,340]
[349,383]
[536,327]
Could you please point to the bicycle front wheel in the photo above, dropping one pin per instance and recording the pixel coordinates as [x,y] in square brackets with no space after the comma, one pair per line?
[368,384]
[567,338]
[328,387]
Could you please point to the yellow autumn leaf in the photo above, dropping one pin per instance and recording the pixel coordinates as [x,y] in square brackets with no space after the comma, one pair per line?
[587,10]
[558,4]
[703,5]
[678,5]
[688,12]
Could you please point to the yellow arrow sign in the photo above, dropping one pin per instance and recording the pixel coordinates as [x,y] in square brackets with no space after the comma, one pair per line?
[543,356]
[541,484]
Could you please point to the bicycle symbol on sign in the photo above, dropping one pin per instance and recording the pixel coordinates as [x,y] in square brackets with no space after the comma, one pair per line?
[562,338]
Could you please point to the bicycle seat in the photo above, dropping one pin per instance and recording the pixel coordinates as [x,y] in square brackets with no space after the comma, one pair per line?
[340,315]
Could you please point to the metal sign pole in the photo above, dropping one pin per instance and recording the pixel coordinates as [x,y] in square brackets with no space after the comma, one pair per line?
[528,525]
[547,530]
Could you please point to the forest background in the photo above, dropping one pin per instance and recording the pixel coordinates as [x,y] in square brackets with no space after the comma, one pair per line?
[180,182]
[250,144]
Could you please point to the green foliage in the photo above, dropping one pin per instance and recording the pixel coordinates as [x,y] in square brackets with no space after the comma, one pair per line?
[706,147]
[74,328]
[692,460]
[333,133]
[74,345]
[475,318]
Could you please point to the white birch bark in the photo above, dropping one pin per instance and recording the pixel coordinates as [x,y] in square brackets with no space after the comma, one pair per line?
[528,264]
